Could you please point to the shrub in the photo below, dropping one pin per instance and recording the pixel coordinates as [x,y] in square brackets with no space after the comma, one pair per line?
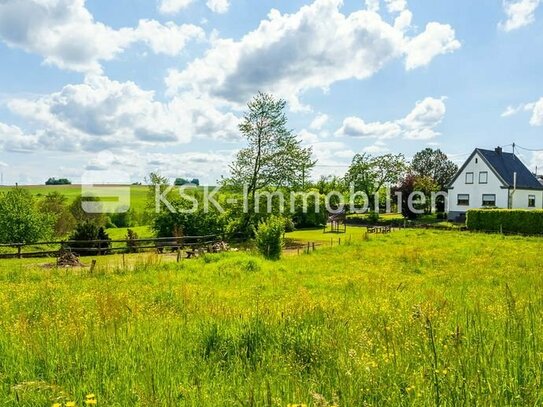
[373,217]
[132,241]
[20,219]
[122,218]
[506,220]
[85,232]
[81,216]
[269,237]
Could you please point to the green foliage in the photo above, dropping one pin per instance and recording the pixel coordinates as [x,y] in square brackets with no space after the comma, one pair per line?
[122,218]
[186,222]
[314,214]
[81,215]
[269,237]
[20,219]
[183,181]
[369,174]
[373,217]
[435,165]
[506,220]
[56,204]
[60,181]
[132,243]
[83,233]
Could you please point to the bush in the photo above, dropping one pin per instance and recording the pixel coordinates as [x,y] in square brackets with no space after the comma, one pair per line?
[123,218]
[89,231]
[132,241]
[373,217]
[269,237]
[506,220]
[55,204]
[20,219]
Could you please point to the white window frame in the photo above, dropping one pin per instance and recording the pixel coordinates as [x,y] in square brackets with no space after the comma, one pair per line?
[485,173]
[472,177]
[487,195]
[530,198]
[458,199]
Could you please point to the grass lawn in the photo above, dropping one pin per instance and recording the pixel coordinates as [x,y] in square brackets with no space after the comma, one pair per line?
[413,318]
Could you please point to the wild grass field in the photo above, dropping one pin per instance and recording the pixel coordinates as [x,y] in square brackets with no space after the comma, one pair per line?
[413,318]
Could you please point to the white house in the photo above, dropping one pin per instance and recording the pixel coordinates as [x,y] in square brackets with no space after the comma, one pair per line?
[493,178]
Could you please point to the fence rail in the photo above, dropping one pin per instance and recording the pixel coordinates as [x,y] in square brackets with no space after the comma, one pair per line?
[99,247]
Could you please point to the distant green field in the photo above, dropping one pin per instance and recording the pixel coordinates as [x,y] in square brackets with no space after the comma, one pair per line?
[138,193]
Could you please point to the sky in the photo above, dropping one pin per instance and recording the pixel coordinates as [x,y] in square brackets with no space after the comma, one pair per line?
[133,86]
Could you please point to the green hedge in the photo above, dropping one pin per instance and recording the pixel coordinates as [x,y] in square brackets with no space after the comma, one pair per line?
[506,220]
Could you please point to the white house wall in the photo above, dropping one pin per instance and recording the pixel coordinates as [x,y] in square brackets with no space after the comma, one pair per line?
[520,199]
[476,190]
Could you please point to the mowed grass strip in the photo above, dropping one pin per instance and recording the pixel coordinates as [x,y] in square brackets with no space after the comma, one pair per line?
[414,318]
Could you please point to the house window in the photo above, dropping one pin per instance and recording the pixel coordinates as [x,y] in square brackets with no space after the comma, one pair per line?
[531,201]
[476,160]
[469,177]
[489,200]
[463,200]
[483,177]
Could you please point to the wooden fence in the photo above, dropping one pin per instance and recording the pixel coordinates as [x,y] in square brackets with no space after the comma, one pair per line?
[100,247]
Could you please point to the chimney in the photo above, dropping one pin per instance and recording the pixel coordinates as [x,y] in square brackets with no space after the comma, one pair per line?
[498,150]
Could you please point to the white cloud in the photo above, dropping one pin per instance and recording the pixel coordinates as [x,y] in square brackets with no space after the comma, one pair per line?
[537,113]
[312,48]
[519,13]
[168,38]
[419,124]
[189,164]
[65,33]
[173,6]
[537,161]
[376,148]
[536,108]
[218,6]
[396,6]
[319,121]
[373,5]
[435,40]
[105,114]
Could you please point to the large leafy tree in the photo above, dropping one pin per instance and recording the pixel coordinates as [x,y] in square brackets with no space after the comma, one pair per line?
[273,158]
[434,164]
[369,174]
[21,221]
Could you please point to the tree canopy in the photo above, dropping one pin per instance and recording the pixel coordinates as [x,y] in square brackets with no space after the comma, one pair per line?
[434,164]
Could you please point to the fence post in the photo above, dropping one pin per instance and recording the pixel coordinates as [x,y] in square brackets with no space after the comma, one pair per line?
[307,247]
[93,264]
[313,246]
[178,254]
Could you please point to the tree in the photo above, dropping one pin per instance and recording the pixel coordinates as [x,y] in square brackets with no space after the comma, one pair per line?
[273,157]
[21,221]
[60,181]
[434,164]
[88,231]
[269,237]
[369,174]
[55,203]
[80,215]
[427,186]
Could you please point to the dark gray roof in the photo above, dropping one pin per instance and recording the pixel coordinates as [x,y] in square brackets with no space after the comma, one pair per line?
[506,164]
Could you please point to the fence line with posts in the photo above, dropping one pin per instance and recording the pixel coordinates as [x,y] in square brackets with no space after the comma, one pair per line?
[101,247]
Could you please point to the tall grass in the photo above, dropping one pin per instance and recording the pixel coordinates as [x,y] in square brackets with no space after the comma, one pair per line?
[414,318]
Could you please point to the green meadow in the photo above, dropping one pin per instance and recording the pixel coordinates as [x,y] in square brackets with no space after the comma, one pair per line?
[412,318]
[138,193]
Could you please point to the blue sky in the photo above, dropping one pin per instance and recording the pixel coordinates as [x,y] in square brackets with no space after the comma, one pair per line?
[141,85]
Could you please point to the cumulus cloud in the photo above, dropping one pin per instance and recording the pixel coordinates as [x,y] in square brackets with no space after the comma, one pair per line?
[537,113]
[172,6]
[419,124]
[312,48]
[535,108]
[519,13]
[65,33]
[101,113]
[435,40]
[319,121]
[218,6]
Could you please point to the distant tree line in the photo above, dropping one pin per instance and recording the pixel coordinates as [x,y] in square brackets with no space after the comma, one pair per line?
[60,181]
